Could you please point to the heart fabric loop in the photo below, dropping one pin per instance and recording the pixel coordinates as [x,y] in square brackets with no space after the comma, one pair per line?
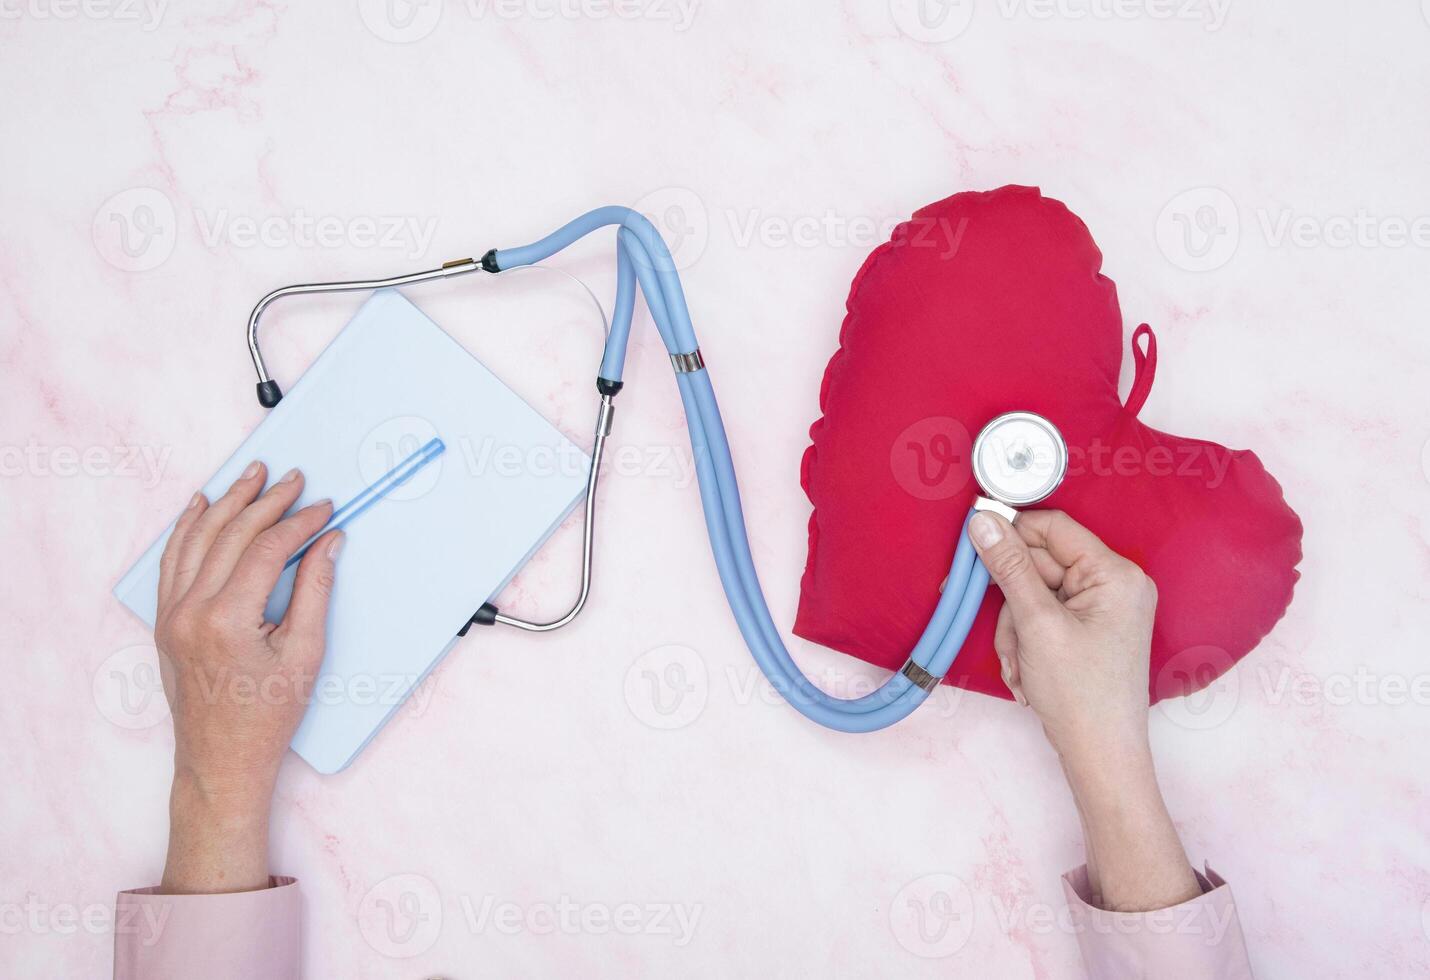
[1144,369]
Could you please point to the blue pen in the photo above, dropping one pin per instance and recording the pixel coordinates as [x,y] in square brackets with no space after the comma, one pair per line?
[384,485]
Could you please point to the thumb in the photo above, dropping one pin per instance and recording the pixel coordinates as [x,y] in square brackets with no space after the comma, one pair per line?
[306,620]
[1006,557]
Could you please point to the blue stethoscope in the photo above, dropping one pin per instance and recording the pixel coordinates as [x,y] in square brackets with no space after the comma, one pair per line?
[1018,459]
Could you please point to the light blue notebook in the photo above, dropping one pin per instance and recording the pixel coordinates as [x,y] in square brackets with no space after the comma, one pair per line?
[419,560]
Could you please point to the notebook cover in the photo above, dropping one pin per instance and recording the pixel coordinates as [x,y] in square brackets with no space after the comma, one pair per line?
[419,561]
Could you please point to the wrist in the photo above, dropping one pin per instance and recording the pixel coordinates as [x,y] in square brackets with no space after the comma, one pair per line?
[234,801]
[218,836]
[1107,777]
[1128,833]
[1091,746]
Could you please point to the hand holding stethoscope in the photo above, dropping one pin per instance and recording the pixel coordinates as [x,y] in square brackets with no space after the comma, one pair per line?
[1074,638]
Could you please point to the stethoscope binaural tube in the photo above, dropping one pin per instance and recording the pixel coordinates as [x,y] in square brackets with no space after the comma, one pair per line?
[644,260]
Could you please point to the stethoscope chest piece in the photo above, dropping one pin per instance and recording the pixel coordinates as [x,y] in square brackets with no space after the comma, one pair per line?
[1019,459]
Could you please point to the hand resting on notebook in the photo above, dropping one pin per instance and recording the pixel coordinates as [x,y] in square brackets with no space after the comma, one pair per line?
[237,686]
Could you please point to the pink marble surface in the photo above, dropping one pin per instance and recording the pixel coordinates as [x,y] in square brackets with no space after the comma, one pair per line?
[627,797]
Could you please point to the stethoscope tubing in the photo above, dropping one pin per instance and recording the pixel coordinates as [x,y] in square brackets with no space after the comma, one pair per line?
[644,260]
[936,650]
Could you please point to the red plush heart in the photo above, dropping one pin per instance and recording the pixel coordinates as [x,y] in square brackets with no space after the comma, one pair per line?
[992,302]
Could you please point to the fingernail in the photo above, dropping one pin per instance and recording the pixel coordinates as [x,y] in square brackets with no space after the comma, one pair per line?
[336,545]
[985,530]
[290,476]
[194,501]
[325,502]
[251,472]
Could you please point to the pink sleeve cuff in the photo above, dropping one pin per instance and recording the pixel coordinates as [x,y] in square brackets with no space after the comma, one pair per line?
[212,937]
[1199,939]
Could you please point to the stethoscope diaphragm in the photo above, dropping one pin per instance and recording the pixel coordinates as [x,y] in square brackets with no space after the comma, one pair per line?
[1019,459]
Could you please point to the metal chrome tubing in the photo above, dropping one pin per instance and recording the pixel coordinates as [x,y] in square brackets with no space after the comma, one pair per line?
[603,429]
[459,267]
